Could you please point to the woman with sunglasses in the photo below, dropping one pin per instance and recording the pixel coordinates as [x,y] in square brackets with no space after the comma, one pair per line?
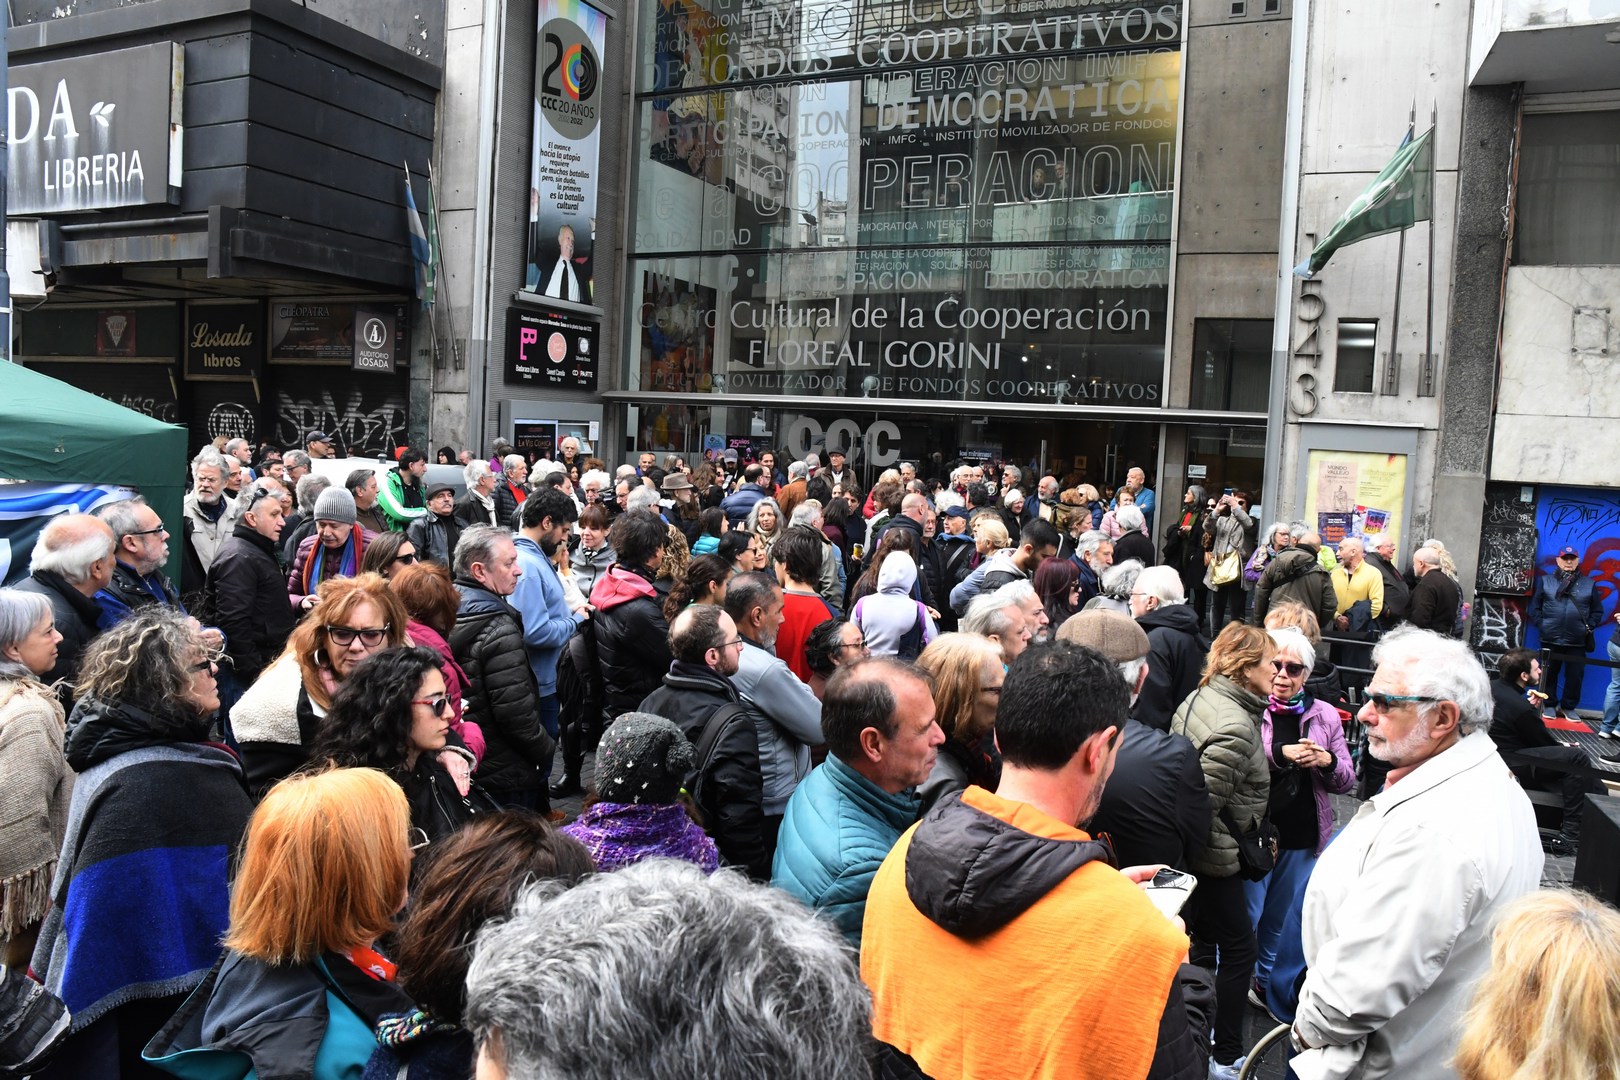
[388,554]
[140,892]
[430,600]
[394,715]
[274,722]
[1303,739]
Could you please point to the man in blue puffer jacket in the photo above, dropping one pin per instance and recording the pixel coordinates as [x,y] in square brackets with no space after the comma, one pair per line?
[755,487]
[1565,610]
[878,717]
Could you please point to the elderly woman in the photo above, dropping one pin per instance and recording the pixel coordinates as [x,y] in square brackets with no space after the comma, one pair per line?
[138,903]
[966,672]
[1134,541]
[636,811]
[34,802]
[1222,719]
[477,507]
[1115,585]
[1227,533]
[766,523]
[990,537]
[1303,740]
[1278,538]
[462,884]
[302,987]
[274,723]
[1110,523]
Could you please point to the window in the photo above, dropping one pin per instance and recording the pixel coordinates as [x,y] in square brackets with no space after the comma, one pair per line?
[1353,364]
[1273,7]
[1231,364]
[1239,9]
[1568,203]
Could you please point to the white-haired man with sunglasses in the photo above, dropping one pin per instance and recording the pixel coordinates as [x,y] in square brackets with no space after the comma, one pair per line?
[1398,915]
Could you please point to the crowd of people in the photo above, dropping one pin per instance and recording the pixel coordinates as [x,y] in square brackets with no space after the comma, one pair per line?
[857,760]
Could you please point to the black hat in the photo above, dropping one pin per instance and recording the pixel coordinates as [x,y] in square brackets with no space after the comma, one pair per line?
[643,759]
[316,436]
[434,489]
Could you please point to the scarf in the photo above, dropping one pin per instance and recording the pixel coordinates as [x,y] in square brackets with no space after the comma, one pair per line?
[317,560]
[621,834]
[1294,706]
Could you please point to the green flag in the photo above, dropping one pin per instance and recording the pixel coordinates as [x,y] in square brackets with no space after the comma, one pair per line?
[1402,194]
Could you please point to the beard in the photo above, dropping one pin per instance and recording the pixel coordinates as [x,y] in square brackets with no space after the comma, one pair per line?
[549,547]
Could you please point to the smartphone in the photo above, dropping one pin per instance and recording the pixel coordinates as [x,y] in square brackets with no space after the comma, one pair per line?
[1227,491]
[1169,890]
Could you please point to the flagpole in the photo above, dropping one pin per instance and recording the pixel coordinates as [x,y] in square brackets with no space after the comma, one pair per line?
[1392,370]
[1426,371]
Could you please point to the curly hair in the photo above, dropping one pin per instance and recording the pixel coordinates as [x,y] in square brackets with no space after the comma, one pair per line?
[143,662]
[338,598]
[369,724]
[676,556]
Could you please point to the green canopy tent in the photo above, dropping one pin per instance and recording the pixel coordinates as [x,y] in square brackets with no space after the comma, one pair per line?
[59,433]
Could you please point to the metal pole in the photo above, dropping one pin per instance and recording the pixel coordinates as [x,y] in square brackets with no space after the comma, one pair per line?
[1392,367]
[1426,371]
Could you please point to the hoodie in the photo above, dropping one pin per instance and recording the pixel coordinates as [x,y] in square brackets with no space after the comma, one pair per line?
[973,896]
[1175,661]
[890,614]
[632,638]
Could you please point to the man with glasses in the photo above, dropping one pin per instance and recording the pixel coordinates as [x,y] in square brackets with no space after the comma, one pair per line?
[141,545]
[1397,917]
[832,645]
[698,695]
[245,592]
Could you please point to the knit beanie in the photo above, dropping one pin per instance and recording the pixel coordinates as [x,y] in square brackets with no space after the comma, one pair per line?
[643,759]
[335,504]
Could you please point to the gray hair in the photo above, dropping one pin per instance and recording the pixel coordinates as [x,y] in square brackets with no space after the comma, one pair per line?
[60,551]
[1297,529]
[752,522]
[642,497]
[209,458]
[309,489]
[1130,518]
[1163,582]
[1091,540]
[798,470]
[667,967]
[1130,671]
[510,462]
[1439,667]
[477,545]
[292,459]
[121,516]
[989,615]
[475,471]
[805,513]
[256,493]
[1291,639]
[20,613]
[603,481]
[1276,527]
[236,444]
[1118,580]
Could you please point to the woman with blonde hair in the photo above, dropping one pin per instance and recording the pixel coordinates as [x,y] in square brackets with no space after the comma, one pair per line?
[990,537]
[1222,720]
[274,723]
[1549,1008]
[301,987]
[966,672]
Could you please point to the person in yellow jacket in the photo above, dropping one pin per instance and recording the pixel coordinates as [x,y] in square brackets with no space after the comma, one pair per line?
[1354,580]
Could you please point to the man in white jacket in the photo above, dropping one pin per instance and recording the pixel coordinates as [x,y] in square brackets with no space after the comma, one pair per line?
[1398,915]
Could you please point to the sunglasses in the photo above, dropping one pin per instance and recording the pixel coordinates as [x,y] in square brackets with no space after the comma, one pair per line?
[370,637]
[148,532]
[1293,670]
[1385,702]
[202,666]
[417,839]
[440,705]
[406,559]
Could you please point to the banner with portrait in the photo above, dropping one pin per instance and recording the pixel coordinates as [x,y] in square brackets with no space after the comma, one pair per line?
[567,144]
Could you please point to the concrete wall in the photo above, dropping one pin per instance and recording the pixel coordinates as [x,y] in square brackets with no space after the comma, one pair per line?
[1558,406]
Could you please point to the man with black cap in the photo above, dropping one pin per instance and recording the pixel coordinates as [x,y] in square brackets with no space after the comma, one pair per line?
[836,473]
[435,533]
[333,550]
[318,444]
[1155,807]
[1566,610]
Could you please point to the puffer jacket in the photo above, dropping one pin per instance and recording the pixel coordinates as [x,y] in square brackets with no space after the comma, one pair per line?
[246,597]
[1175,663]
[730,794]
[838,829]
[502,697]
[1564,611]
[1222,719]
[738,504]
[632,638]
[1296,575]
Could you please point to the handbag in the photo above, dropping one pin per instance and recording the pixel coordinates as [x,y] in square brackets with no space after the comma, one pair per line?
[1257,850]
[1225,569]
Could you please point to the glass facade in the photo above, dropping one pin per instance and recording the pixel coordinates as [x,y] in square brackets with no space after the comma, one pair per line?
[944,200]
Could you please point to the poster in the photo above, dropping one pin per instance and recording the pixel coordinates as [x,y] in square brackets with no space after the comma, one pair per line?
[689,47]
[1361,495]
[311,330]
[567,142]
[677,342]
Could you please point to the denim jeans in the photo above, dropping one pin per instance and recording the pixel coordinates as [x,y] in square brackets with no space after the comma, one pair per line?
[1611,697]
[1270,901]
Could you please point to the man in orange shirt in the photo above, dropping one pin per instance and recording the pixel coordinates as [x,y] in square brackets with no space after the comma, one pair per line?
[1004,890]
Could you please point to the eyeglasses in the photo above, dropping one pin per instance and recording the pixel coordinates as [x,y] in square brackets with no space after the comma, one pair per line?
[202,666]
[1294,670]
[440,705]
[149,532]
[417,839]
[1385,702]
[729,644]
[370,637]
[861,644]
[407,559]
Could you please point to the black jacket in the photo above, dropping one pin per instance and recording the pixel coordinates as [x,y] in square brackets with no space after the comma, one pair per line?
[246,597]
[1156,805]
[1515,723]
[502,697]
[294,531]
[1434,603]
[1185,551]
[506,504]
[632,638]
[434,537]
[971,874]
[1296,575]
[1134,545]
[731,794]
[1397,594]
[1175,662]
[75,615]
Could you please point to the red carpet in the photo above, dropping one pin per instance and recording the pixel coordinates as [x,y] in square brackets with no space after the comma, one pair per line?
[1555,724]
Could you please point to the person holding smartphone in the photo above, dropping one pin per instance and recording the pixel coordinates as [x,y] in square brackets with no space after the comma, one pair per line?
[1309,760]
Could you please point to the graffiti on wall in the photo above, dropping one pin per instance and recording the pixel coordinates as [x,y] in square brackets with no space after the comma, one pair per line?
[1498,624]
[1589,521]
[366,421]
